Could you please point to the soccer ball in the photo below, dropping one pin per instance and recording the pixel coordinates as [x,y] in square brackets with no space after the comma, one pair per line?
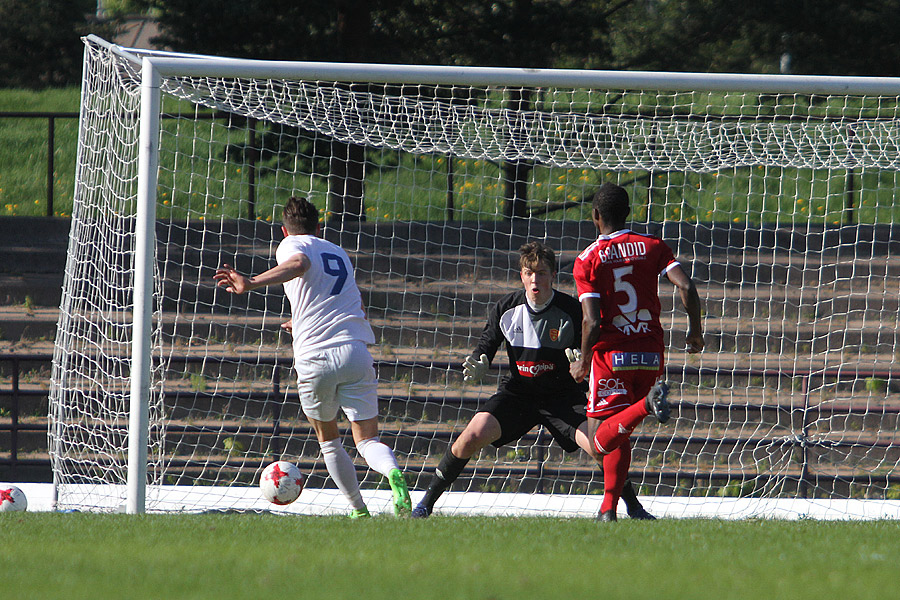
[12,498]
[281,482]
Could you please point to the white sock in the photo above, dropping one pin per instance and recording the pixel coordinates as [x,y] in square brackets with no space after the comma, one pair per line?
[340,467]
[377,455]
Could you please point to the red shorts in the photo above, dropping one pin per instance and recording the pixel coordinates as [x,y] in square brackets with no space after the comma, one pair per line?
[623,376]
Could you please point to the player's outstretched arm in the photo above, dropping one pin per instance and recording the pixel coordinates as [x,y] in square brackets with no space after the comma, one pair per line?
[231,280]
[691,301]
[234,282]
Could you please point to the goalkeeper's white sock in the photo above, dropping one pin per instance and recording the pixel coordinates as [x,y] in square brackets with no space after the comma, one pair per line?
[378,455]
[340,467]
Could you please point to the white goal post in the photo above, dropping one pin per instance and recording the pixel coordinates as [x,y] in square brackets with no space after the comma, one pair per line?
[776,192]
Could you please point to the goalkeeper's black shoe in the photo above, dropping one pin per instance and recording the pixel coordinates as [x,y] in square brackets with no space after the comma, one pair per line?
[656,401]
[641,514]
[607,516]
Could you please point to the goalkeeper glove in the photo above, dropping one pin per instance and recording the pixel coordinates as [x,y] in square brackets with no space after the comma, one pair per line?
[573,354]
[474,370]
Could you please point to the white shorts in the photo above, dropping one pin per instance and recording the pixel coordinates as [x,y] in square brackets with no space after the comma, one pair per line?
[340,377]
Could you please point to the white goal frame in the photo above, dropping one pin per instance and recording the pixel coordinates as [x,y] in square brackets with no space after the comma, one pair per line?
[156,66]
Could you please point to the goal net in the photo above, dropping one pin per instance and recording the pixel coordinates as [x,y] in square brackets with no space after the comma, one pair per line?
[776,193]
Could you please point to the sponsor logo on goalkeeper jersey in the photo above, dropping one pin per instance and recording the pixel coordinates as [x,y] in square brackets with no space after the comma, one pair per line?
[615,252]
[635,361]
[529,368]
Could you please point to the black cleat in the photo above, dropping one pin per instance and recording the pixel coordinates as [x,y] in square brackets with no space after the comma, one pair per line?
[641,514]
[656,402]
[421,512]
[607,516]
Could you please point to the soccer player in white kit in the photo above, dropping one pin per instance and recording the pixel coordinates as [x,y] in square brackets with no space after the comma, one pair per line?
[330,340]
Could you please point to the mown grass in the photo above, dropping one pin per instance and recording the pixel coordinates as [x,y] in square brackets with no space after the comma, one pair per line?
[52,555]
[23,152]
[407,186]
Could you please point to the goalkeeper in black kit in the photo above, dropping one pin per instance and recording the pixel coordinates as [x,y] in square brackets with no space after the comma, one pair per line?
[542,330]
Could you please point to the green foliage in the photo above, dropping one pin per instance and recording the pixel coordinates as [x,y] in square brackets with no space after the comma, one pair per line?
[233,446]
[502,33]
[39,41]
[834,37]
[893,492]
[115,9]
[198,382]
[264,29]
[876,384]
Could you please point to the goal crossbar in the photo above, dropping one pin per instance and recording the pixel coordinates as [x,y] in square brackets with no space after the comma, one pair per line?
[186,65]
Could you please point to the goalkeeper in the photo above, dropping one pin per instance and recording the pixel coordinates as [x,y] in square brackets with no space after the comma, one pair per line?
[541,328]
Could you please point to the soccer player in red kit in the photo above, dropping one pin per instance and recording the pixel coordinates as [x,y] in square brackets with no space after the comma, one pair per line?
[617,280]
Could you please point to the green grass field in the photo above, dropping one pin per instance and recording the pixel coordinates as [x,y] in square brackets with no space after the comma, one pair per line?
[53,555]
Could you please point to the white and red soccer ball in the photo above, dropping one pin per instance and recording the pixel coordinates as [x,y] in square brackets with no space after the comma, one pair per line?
[281,482]
[12,498]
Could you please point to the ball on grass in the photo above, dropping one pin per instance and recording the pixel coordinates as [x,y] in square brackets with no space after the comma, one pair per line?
[12,498]
[281,482]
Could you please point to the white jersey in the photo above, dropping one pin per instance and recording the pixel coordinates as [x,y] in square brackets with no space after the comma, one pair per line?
[326,307]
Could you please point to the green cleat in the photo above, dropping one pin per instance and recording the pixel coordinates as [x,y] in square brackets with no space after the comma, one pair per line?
[359,513]
[402,502]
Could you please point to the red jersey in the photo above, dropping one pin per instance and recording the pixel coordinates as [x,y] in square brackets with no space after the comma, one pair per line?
[622,270]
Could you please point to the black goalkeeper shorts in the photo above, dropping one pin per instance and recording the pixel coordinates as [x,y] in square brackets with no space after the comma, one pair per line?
[518,414]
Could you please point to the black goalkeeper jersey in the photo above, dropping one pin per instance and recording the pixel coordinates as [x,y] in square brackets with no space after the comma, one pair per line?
[536,343]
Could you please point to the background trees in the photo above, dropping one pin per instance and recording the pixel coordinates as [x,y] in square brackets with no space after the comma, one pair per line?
[822,37]
[39,43]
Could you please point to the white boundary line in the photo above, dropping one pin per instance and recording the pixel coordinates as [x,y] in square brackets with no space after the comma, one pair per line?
[330,502]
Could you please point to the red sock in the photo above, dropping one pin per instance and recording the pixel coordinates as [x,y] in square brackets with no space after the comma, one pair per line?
[615,472]
[616,429]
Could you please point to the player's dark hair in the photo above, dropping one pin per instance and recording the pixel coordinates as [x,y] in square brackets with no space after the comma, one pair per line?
[300,216]
[534,253]
[611,201]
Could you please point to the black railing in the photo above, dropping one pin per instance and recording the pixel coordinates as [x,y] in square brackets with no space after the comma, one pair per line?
[251,157]
[13,411]
[805,479]
[51,118]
